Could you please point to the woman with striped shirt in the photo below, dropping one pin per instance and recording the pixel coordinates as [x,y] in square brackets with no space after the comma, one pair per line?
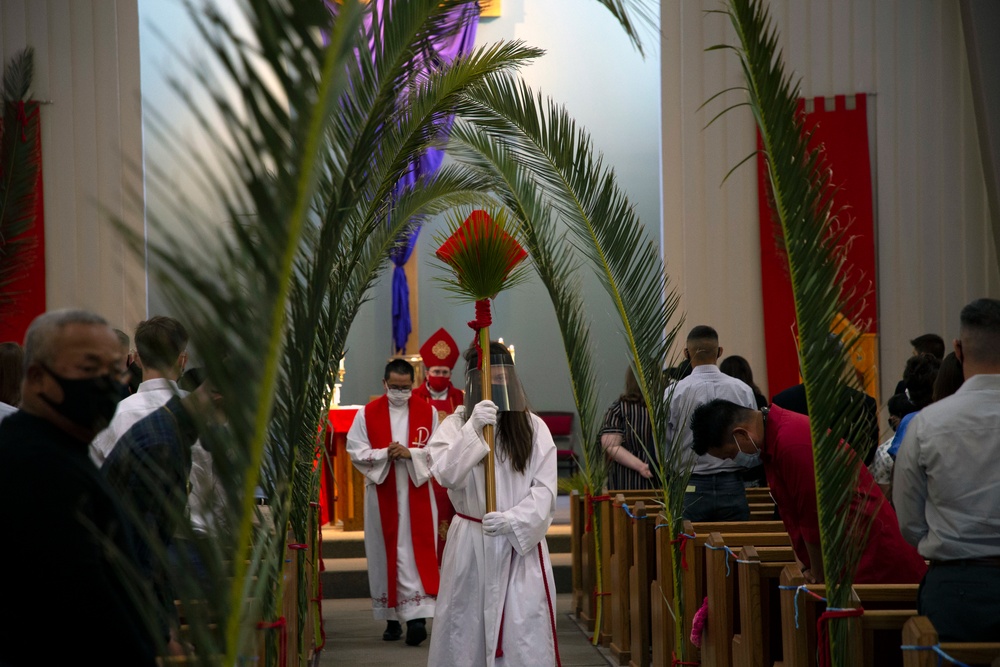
[627,439]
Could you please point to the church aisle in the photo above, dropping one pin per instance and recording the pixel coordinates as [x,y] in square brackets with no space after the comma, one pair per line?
[354,639]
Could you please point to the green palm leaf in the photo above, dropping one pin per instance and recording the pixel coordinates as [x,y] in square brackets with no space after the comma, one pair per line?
[803,205]
[559,161]
[304,176]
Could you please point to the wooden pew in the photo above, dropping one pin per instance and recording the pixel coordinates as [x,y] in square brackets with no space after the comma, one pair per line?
[770,533]
[641,575]
[621,561]
[614,569]
[759,611]
[888,607]
[919,631]
[585,551]
[720,589]
[577,523]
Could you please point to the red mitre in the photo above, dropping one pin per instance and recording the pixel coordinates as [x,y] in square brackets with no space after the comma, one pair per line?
[439,350]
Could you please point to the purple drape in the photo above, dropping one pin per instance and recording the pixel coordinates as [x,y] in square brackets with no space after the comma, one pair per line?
[442,51]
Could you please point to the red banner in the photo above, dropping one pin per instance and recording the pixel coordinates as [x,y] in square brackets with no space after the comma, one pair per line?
[23,298]
[843,134]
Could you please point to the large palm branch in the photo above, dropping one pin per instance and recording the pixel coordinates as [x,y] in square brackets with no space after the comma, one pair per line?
[802,203]
[314,143]
[547,170]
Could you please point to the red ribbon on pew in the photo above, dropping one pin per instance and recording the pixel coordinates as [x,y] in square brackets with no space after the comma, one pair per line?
[282,626]
[682,538]
[590,507]
[822,638]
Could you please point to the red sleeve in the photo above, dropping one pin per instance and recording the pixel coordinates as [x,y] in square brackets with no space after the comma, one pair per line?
[797,472]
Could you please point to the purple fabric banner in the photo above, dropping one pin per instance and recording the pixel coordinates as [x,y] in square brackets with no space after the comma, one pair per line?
[442,51]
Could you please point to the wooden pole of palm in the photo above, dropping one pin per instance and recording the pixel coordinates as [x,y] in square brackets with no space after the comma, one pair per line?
[802,204]
[483,258]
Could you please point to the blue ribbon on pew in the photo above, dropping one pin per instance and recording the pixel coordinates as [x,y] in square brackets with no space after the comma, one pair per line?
[937,649]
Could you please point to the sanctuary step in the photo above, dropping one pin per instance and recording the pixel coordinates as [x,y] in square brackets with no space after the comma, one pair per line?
[345,572]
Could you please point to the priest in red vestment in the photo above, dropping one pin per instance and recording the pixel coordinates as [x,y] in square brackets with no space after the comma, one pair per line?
[386,444]
[439,354]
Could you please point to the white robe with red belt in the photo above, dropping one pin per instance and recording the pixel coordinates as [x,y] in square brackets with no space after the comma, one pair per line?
[412,600]
[489,582]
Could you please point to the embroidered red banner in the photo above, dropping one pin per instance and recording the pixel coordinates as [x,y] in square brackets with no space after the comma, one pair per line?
[843,134]
[23,298]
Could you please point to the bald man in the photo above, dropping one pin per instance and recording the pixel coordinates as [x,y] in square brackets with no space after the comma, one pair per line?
[716,491]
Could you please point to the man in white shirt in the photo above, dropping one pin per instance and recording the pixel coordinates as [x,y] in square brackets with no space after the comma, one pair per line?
[386,444]
[716,491]
[161,346]
[946,488]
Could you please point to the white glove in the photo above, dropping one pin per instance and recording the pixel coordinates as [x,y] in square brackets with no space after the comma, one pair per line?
[496,523]
[484,413]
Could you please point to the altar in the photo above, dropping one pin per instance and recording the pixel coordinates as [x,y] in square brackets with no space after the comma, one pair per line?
[342,487]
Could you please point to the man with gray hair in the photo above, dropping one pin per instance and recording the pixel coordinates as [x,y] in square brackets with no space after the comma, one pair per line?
[75,548]
[946,488]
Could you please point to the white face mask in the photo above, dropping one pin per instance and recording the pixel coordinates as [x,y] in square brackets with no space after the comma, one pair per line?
[747,460]
[398,397]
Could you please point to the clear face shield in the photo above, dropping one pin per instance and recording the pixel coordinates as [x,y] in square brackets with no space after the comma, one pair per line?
[507,392]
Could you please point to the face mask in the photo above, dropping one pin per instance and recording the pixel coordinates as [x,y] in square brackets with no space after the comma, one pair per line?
[87,402]
[747,460]
[438,383]
[398,397]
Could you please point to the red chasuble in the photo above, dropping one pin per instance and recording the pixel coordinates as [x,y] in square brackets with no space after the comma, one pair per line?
[421,518]
[445,406]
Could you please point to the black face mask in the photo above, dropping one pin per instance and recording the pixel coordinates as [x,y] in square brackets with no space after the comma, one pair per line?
[87,402]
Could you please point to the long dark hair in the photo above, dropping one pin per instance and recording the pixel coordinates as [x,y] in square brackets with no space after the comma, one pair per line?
[736,366]
[515,436]
[949,378]
[918,378]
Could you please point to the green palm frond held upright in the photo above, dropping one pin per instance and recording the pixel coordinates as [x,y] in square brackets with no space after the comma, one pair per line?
[802,204]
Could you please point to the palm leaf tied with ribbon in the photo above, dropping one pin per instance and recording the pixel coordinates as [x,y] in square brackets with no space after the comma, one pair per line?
[484,259]
[814,240]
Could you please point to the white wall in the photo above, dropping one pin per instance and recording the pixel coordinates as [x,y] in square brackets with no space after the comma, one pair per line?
[935,249]
[86,64]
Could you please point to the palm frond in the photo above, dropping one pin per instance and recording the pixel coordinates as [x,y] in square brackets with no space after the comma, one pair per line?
[645,13]
[580,191]
[803,206]
[303,177]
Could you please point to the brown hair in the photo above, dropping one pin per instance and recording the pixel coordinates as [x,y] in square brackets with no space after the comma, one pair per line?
[632,394]
[159,341]
[949,378]
[11,372]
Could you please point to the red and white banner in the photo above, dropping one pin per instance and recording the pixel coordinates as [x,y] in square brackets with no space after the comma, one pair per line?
[23,297]
[842,133]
